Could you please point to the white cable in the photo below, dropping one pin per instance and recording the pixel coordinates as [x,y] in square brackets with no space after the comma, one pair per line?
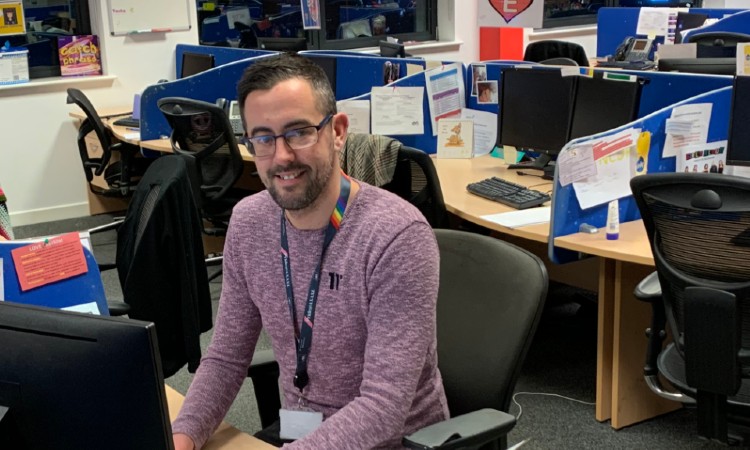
[520,408]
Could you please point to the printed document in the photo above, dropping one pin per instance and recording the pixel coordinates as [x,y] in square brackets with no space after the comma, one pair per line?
[485,129]
[687,126]
[358,112]
[397,110]
[445,93]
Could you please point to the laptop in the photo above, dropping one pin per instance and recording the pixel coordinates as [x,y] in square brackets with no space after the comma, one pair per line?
[134,120]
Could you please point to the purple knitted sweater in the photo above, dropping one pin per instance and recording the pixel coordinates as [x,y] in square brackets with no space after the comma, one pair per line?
[373,362]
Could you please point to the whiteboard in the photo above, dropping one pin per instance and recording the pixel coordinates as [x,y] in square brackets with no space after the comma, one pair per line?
[148,16]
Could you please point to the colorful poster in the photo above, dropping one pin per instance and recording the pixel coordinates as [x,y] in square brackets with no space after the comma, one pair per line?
[310,14]
[511,13]
[13,21]
[79,55]
[54,259]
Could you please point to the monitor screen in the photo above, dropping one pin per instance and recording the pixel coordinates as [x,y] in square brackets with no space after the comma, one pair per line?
[282,44]
[328,64]
[392,49]
[535,109]
[602,104]
[73,380]
[738,147]
[194,63]
[687,21]
[716,66]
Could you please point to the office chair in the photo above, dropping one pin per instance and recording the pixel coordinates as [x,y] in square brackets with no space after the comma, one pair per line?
[121,176]
[560,61]
[405,171]
[544,50]
[716,44]
[698,226]
[489,304]
[160,263]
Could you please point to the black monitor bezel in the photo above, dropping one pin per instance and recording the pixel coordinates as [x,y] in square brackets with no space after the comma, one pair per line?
[200,63]
[282,44]
[732,144]
[88,381]
[706,66]
[688,18]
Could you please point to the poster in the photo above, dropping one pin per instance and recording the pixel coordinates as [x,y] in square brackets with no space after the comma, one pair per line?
[310,14]
[13,21]
[511,13]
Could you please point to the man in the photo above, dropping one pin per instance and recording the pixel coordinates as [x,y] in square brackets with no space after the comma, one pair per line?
[370,366]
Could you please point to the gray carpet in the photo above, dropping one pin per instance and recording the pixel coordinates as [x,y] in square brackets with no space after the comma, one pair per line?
[562,361]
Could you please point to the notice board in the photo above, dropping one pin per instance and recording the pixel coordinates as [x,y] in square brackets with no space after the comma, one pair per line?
[148,16]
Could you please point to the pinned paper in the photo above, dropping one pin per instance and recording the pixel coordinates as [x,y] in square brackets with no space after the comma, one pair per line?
[688,125]
[576,164]
[455,138]
[54,259]
[743,58]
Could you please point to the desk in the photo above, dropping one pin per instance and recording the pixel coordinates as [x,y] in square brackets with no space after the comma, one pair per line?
[621,392]
[226,437]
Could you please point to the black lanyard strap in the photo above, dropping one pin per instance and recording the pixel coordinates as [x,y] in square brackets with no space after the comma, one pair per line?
[303,331]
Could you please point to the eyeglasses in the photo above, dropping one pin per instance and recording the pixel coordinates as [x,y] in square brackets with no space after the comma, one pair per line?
[297,139]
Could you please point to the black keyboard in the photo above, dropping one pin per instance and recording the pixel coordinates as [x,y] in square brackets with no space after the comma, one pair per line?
[507,193]
[127,122]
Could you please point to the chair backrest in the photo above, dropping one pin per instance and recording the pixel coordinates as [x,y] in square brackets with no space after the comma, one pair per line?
[560,61]
[490,300]
[160,263]
[415,179]
[699,229]
[201,132]
[716,44]
[543,50]
[91,166]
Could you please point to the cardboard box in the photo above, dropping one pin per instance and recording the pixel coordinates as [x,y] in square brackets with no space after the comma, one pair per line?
[14,66]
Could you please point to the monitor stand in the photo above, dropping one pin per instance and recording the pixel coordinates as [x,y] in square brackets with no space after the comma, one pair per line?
[543,162]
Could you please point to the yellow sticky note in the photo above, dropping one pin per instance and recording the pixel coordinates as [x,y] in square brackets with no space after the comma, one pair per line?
[209,6]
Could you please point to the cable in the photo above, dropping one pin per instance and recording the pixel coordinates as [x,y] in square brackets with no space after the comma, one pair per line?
[540,184]
[520,408]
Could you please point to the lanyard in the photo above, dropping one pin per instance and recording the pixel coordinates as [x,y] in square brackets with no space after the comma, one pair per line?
[303,334]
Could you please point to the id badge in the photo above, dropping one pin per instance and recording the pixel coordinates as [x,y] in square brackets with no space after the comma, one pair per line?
[296,424]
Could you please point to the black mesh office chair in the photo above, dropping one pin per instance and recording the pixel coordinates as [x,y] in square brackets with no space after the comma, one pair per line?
[405,171]
[717,44]
[160,263]
[121,176]
[699,229]
[560,61]
[489,304]
[544,50]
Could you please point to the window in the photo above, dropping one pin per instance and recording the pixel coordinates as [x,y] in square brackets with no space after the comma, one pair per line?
[44,23]
[563,13]
[344,24]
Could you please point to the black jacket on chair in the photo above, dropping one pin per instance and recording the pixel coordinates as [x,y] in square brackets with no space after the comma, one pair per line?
[160,263]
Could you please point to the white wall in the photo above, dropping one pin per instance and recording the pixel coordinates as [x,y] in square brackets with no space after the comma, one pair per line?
[40,170]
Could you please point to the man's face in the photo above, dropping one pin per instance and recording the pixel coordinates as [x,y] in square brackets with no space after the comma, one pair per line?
[294,178]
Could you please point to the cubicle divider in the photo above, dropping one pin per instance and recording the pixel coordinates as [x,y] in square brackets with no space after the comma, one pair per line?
[567,215]
[616,24]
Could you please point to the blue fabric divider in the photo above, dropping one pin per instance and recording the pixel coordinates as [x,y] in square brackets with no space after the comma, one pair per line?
[567,215]
[615,24]
[739,22]
[80,289]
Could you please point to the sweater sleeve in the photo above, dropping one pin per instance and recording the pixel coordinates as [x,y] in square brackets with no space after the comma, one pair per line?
[224,366]
[402,291]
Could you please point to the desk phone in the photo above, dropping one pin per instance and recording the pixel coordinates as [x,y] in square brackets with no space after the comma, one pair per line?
[234,118]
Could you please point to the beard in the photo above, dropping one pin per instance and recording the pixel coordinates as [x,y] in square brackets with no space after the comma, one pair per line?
[318,179]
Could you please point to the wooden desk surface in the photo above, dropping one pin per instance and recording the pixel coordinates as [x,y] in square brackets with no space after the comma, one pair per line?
[632,246]
[455,174]
[226,436]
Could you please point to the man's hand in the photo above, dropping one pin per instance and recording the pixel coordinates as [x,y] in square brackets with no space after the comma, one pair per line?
[183,442]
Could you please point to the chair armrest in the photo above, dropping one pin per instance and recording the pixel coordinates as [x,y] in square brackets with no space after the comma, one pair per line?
[467,430]
[649,289]
[264,373]
[118,308]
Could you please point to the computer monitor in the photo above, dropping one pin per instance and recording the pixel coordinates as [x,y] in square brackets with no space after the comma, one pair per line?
[687,21]
[715,66]
[738,145]
[282,44]
[602,104]
[78,381]
[392,49]
[328,64]
[194,63]
[535,112]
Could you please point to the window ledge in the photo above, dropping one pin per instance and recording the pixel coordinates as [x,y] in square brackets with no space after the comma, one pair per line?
[52,83]
[563,32]
[421,47]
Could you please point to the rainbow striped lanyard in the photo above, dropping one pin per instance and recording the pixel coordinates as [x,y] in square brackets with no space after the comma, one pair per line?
[303,332]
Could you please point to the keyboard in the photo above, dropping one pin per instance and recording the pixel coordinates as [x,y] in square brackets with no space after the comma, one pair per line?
[127,122]
[507,193]
[628,65]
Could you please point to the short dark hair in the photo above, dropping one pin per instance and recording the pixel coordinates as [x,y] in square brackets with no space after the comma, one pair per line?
[266,73]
